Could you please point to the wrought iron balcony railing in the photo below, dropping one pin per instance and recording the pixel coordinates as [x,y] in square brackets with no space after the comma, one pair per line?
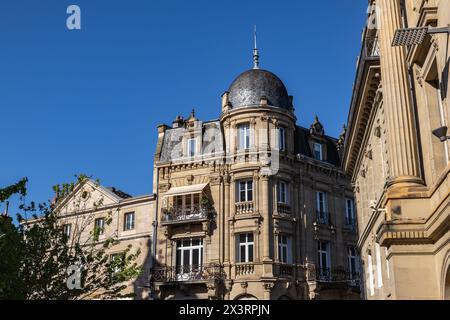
[283,208]
[322,217]
[337,275]
[174,215]
[286,269]
[188,273]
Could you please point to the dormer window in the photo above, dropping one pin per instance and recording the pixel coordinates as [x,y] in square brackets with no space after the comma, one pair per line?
[191,147]
[318,154]
[244,136]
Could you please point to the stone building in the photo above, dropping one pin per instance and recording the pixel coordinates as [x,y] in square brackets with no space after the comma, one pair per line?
[399,169]
[116,215]
[251,205]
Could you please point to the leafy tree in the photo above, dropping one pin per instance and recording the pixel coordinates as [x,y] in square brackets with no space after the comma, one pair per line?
[38,261]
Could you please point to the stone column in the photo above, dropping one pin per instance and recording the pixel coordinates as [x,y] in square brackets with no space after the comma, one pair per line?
[403,150]
[266,216]
[227,213]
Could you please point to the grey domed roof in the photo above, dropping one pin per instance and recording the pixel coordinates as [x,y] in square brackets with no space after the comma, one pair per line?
[250,86]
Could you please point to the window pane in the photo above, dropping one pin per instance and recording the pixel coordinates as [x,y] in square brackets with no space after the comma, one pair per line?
[250,237]
[250,253]
[242,254]
[242,238]
[196,257]
[186,257]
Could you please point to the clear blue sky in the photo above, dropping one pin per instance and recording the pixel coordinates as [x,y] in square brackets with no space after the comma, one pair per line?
[90,100]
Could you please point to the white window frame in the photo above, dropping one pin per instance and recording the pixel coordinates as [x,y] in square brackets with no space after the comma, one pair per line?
[190,248]
[320,150]
[322,214]
[379,266]
[249,245]
[285,242]
[100,227]
[370,272]
[324,252]
[244,135]
[191,147]
[67,230]
[350,212]
[282,192]
[352,256]
[129,224]
[245,186]
[282,138]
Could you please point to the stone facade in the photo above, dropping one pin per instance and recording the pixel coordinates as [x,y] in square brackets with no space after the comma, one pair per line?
[400,171]
[245,202]
[79,212]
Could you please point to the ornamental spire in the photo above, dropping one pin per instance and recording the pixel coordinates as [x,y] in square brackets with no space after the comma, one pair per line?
[255,52]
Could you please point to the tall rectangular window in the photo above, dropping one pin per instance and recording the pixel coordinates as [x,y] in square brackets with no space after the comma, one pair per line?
[245,190]
[189,257]
[352,260]
[245,247]
[318,155]
[324,259]
[99,226]
[129,221]
[282,192]
[244,136]
[67,230]
[322,207]
[350,220]
[379,270]
[285,248]
[370,273]
[191,147]
[281,138]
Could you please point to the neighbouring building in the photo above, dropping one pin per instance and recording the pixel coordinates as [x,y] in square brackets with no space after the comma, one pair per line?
[400,171]
[251,205]
[114,214]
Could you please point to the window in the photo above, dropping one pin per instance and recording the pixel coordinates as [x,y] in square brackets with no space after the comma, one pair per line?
[370,273]
[245,190]
[99,227]
[282,192]
[117,261]
[281,138]
[67,230]
[191,147]
[189,258]
[318,151]
[245,248]
[353,266]
[244,136]
[322,207]
[378,260]
[129,221]
[187,205]
[324,260]
[285,248]
[350,220]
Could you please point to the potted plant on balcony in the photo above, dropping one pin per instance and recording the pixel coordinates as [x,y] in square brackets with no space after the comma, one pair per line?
[166,214]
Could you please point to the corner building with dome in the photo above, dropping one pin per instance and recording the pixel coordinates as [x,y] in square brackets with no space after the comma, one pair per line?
[251,205]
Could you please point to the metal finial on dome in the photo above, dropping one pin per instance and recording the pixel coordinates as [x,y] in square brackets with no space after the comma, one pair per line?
[255,52]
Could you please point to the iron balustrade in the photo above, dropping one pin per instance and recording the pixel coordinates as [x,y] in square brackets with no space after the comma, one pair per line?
[338,275]
[372,46]
[187,273]
[322,217]
[283,208]
[184,214]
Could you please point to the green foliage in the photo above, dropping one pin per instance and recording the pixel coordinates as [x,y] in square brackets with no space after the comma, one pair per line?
[18,188]
[35,257]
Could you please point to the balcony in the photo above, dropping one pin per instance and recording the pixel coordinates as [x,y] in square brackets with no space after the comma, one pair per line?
[371,47]
[188,273]
[327,275]
[283,209]
[286,269]
[183,215]
[244,208]
[245,269]
[322,217]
